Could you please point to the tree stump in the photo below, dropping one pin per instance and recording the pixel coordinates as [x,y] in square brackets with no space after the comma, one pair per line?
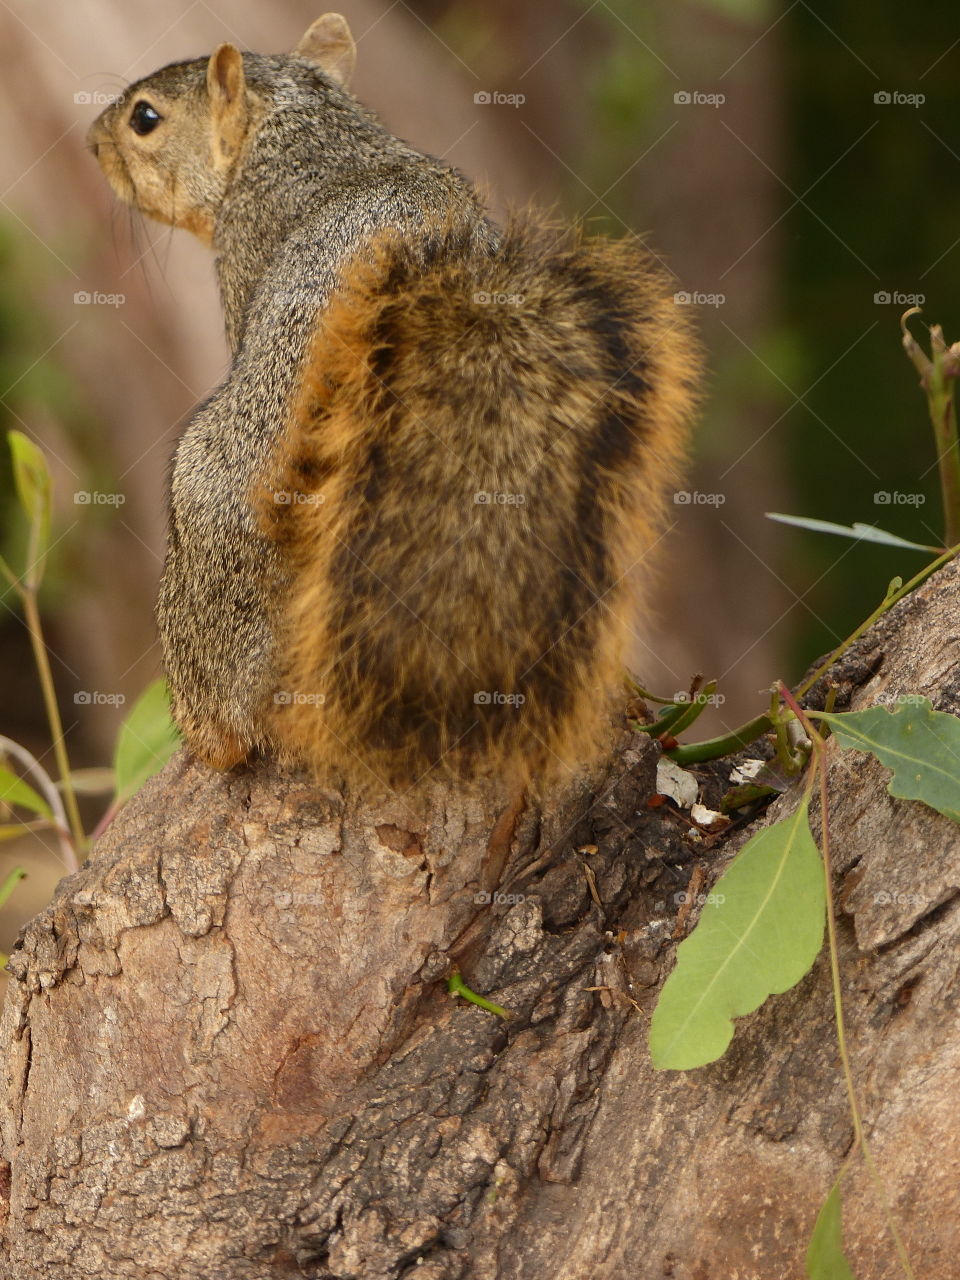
[229,1051]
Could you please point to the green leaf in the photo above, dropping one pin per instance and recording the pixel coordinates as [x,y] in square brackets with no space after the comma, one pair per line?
[14,790]
[16,830]
[30,475]
[32,481]
[664,722]
[825,1257]
[147,740]
[11,882]
[861,532]
[693,708]
[92,781]
[760,931]
[747,793]
[920,745]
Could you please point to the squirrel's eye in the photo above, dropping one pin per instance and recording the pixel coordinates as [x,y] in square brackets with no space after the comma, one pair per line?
[143,118]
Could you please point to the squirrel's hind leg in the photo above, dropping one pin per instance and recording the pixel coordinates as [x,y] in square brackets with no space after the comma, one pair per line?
[217,746]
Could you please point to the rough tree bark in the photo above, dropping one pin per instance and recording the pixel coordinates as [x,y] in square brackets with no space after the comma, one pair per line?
[228,1052]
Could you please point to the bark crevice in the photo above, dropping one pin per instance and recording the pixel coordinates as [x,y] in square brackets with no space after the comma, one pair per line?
[228,1038]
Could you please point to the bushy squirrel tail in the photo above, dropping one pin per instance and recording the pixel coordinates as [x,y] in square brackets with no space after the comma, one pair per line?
[479,456]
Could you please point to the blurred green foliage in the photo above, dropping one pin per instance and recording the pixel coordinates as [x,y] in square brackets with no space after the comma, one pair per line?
[30,378]
[37,390]
[20,340]
[878,213]
[890,216]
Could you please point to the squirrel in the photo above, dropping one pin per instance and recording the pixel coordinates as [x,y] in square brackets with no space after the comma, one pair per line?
[400,529]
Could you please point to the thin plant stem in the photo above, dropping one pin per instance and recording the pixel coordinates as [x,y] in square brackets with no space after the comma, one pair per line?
[32,614]
[819,765]
[48,790]
[938,377]
[888,603]
[104,822]
[943,416]
[714,748]
[11,577]
[457,987]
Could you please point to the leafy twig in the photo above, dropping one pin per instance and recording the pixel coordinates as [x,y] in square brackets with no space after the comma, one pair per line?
[32,615]
[819,766]
[938,377]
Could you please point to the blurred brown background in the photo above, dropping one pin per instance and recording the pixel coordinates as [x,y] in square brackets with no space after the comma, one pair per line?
[750,141]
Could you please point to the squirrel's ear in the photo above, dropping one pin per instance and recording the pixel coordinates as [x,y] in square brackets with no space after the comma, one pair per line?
[329,44]
[226,89]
